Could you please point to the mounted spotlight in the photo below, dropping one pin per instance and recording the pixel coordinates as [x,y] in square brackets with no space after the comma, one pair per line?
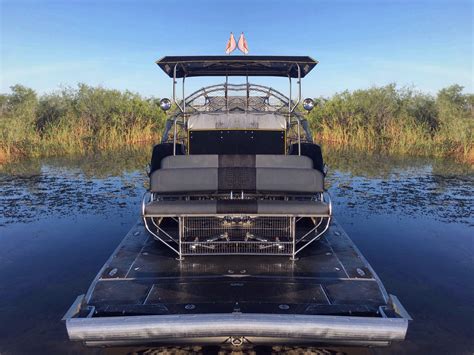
[165,104]
[308,104]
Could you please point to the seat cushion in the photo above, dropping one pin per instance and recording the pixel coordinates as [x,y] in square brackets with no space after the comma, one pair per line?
[312,208]
[177,208]
[211,207]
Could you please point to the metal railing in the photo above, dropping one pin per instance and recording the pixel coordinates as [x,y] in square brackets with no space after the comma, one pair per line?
[237,233]
[216,99]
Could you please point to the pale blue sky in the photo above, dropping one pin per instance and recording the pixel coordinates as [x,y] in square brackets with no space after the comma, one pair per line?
[48,44]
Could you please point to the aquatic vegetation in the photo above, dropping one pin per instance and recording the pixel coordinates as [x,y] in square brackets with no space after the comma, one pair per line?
[87,119]
[75,120]
[398,120]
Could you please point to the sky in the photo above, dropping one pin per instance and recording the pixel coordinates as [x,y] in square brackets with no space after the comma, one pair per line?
[48,45]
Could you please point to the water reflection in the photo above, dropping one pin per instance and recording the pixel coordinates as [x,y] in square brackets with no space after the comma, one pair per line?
[103,182]
[60,218]
[375,184]
[98,183]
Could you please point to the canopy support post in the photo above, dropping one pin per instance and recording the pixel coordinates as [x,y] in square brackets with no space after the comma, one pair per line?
[289,103]
[292,108]
[248,93]
[184,97]
[181,108]
[299,100]
[174,135]
[299,137]
[226,93]
[299,88]
[174,87]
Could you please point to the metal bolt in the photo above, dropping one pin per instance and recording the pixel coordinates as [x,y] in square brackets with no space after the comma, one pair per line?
[190,307]
[284,307]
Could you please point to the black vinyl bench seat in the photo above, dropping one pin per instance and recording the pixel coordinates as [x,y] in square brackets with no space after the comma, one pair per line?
[221,173]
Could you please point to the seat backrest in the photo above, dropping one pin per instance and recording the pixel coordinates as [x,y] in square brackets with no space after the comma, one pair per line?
[161,151]
[312,151]
[236,161]
[211,180]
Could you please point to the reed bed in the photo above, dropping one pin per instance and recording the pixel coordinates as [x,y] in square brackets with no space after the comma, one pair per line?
[86,119]
[398,120]
[75,120]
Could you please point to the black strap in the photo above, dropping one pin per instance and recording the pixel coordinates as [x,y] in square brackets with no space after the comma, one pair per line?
[237,173]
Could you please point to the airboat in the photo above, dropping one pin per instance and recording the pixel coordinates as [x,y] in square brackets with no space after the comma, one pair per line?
[237,244]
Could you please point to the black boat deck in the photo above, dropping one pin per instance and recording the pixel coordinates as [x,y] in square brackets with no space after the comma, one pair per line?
[144,278]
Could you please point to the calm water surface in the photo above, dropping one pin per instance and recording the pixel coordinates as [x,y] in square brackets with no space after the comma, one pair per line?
[60,219]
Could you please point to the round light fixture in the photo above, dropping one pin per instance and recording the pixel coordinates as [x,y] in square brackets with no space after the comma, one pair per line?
[165,104]
[308,104]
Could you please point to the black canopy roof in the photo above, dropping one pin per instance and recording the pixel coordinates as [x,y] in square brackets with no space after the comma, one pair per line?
[238,65]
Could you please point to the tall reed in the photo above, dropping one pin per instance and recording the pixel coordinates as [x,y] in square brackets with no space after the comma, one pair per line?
[84,118]
[75,120]
[398,120]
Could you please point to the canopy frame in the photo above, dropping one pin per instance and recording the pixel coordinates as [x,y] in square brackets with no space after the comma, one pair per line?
[278,66]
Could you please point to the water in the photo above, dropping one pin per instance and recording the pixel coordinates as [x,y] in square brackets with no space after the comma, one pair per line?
[60,219]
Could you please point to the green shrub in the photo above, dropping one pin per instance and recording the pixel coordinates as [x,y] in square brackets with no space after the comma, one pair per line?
[387,118]
[75,120]
[398,121]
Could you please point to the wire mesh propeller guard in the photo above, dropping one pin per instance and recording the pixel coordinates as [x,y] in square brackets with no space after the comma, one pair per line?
[227,235]
[236,235]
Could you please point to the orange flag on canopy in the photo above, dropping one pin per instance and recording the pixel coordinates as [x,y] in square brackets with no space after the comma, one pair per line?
[230,44]
[244,48]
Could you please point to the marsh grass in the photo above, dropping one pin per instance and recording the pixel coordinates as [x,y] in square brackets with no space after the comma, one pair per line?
[401,121]
[85,119]
[72,121]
